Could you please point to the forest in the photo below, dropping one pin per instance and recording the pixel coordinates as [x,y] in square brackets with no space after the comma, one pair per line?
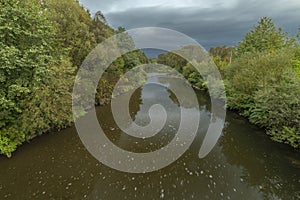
[43,43]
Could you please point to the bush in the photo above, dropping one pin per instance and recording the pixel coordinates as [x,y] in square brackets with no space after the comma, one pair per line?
[287,135]
[265,88]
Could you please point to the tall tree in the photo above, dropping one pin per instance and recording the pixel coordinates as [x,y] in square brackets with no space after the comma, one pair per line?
[74,26]
[100,27]
[264,37]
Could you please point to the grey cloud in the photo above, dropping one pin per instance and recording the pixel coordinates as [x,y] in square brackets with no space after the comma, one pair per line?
[210,27]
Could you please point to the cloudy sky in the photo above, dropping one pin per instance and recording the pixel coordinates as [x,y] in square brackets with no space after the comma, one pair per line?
[210,22]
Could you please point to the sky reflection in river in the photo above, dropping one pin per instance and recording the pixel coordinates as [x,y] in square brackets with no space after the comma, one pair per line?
[244,165]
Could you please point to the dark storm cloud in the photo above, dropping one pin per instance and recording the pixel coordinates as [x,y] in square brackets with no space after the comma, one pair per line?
[211,26]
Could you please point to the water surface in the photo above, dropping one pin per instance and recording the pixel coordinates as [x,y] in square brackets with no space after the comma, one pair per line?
[245,164]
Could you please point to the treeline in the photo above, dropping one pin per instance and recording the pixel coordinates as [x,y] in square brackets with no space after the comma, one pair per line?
[42,45]
[261,76]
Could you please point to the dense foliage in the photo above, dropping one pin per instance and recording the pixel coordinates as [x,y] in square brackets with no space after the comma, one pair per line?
[35,76]
[265,88]
[42,44]
[264,37]
[200,62]
[262,78]
[222,56]
[263,82]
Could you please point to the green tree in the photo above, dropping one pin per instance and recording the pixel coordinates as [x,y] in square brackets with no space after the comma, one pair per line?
[264,37]
[173,60]
[100,28]
[74,26]
[252,72]
[34,91]
[264,87]
[223,52]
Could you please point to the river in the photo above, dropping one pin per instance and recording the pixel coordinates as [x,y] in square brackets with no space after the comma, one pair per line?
[245,163]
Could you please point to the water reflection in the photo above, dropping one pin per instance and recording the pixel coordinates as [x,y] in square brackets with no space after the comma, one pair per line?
[266,166]
[244,165]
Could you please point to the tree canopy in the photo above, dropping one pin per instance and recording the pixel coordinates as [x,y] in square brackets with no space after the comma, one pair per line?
[262,78]
[42,44]
[265,36]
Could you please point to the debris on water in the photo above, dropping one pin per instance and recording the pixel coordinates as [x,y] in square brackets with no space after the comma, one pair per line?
[162,195]
[181,182]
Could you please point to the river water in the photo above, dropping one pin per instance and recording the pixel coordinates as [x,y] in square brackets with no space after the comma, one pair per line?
[245,164]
